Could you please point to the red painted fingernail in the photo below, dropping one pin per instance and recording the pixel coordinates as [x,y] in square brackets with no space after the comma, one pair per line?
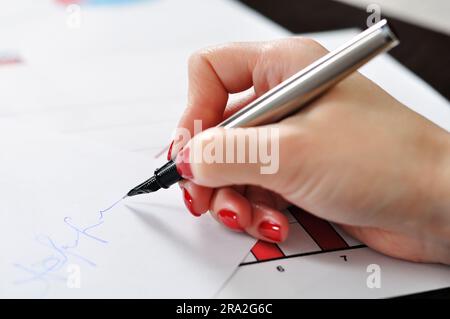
[229,219]
[169,152]
[270,230]
[183,165]
[189,203]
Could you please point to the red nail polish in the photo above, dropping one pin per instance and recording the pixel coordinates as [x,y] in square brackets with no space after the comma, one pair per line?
[270,230]
[188,202]
[183,164]
[229,219]
[169,153]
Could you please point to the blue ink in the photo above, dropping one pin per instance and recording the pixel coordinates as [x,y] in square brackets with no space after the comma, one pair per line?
[110,207]
[44,266]
[84,259]
[44,281]
[49,243]
[45,269]
[83,232]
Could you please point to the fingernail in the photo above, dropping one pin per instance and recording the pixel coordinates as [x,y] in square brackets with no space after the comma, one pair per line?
[270,231]
[229,219]
[169,152]
[189,203]
[183,165]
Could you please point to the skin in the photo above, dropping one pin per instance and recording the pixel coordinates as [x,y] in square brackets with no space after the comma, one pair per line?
[355,156]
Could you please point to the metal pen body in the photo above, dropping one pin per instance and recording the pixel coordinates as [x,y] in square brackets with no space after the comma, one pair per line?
[307,84]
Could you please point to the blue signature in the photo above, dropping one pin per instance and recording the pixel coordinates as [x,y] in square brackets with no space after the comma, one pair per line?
[47,269]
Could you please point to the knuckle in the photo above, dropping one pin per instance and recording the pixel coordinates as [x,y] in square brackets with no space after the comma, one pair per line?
[310,48]
[293,43]
[200,56]
[307,43]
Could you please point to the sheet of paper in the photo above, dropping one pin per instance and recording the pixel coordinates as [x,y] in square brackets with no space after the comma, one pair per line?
[319,260]
[67,233]
[111,78]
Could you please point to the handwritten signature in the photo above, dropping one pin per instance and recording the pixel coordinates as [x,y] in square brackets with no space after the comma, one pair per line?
[48,268]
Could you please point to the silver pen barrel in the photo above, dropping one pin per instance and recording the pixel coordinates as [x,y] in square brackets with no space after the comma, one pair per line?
[309,83]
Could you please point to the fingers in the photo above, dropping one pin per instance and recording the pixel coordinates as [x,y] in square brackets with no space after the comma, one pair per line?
[196,198]
[214,73]
[231,208]
[253,213]
[268,224]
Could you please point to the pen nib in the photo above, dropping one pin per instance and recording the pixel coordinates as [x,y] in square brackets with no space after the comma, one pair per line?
[149,186]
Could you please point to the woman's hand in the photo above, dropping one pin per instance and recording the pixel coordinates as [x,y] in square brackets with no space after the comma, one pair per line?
[355,156]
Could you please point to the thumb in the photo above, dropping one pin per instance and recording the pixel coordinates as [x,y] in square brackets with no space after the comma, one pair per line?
[242,156]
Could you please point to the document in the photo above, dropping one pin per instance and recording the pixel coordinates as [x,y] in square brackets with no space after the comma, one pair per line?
[69,233]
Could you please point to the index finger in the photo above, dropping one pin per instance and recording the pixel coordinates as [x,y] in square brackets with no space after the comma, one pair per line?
[214,73]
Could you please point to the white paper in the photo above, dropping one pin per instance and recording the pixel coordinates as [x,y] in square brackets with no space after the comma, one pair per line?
[329,275]
[53,188]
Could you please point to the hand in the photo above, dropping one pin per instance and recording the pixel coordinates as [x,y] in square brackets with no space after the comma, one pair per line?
[356,156]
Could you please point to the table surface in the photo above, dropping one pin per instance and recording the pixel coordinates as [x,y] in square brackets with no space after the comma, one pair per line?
[423,51]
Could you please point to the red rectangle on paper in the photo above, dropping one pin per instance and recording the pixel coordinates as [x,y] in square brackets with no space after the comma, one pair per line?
[266,251]
[320,230]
